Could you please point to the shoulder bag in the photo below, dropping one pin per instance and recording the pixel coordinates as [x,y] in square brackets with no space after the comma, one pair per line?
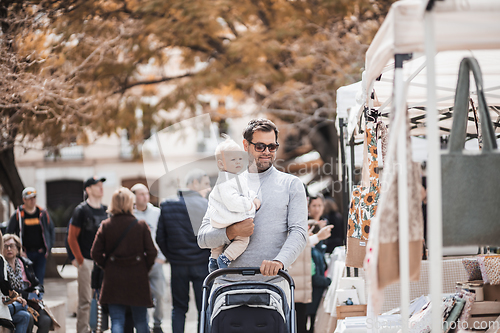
[470,182]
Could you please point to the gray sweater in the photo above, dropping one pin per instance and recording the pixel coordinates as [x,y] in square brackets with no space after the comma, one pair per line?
[280,231]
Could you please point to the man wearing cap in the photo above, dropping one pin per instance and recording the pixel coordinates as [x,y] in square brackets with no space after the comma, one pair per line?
[144,210]
[87,218]
[33,225]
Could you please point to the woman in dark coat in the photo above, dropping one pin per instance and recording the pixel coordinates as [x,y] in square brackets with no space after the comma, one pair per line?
[126,268]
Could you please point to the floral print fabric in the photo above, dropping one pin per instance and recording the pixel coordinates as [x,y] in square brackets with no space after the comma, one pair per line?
[490,268]
[471,266]
[364,198]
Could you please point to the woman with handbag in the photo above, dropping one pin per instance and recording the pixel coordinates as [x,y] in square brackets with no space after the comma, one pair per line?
[14,281]
[123,247]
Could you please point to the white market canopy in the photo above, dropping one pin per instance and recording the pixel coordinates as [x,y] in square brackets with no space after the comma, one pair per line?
[450,30]
[456,37]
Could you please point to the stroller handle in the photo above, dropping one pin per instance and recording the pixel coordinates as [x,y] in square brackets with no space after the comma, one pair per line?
[245,271]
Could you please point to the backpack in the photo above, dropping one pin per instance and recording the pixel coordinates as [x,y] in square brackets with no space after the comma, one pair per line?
[88,213]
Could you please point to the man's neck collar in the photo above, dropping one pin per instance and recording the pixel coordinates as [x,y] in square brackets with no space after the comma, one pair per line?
[253,169]
[141,209]
[94,203]
[268,170]
[31,211]
[189,191]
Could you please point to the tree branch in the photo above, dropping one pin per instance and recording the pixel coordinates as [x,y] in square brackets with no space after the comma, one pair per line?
[141,83]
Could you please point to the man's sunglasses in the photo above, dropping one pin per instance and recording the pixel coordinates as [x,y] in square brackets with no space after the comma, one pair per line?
[260,147]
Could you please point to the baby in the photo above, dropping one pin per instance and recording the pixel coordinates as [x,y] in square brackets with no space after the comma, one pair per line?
[230,201]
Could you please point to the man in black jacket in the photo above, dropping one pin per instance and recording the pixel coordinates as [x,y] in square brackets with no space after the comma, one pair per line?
[179,220]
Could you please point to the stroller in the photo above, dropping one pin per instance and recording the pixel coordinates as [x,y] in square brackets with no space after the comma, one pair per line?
[247,306]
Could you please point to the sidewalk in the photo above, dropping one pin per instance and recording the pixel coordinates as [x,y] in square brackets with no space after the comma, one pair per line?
[56,290]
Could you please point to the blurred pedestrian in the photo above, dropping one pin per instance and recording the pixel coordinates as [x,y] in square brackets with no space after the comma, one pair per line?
[13,307]
[179,220]
[23,280]
[124,248]
[35,229]
[333,216]
[319,281]
[317,208]
[144,210]
[301,272]
[85,222]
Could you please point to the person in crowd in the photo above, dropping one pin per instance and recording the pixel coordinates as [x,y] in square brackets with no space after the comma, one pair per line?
[85,222]
[334,218]
[316,209]
[279,230]
[23,280]
[144,210]
[319,281]
[17,314]
[179,219]
[125,250]
[230,201]
[33,225]
[300,270]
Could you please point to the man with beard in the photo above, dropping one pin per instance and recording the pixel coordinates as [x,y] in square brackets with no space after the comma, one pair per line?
[278,232]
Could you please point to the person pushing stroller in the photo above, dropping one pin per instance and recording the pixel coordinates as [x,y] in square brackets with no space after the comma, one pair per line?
[230,201]
[278,231]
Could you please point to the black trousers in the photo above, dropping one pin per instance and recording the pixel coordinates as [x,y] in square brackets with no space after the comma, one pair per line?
[300,309]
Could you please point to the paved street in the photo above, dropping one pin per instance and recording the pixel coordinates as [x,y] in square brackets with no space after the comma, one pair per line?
[56,289]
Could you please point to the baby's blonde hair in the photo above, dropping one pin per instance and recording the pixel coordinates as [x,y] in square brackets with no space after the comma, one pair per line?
[227,145]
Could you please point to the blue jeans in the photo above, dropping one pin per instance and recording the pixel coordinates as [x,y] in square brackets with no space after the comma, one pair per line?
[117,315]
[157,284]
[20,317]
[39,263]
[181,275]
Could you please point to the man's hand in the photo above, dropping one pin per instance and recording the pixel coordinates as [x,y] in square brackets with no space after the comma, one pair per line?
[325,232]
[242,229]
[74,262]
[270,268]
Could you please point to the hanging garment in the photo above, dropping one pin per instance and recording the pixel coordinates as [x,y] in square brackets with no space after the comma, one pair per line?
[471,207]
[365,196]
[382,259]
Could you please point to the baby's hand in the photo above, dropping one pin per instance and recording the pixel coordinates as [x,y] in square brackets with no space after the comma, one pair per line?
[256,202]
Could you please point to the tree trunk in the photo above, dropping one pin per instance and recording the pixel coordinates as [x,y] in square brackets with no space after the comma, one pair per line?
[9,177]
[12,185]
[325,140]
